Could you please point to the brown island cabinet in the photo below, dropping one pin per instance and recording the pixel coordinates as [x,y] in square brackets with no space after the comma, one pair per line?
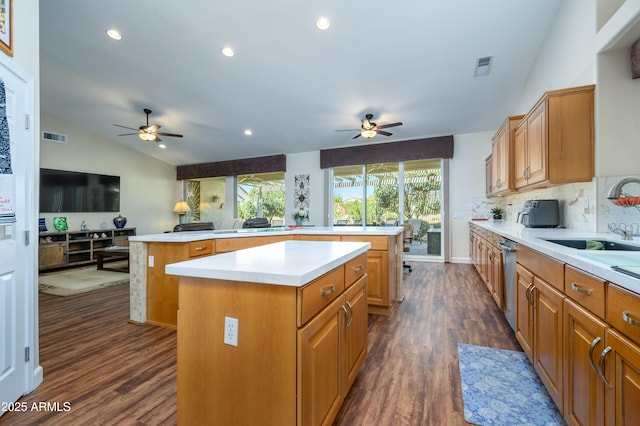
[274,341]
[154,294]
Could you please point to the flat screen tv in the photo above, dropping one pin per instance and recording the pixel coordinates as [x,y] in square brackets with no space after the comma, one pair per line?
[64,191]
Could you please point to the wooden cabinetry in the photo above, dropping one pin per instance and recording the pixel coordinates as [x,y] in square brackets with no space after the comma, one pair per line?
[622,385]
[384,263]
[584,337]
[299,349]
[554,142]
[225,245]
[502,157]
[539,317]
[74,248]
[162,289]
[486,256]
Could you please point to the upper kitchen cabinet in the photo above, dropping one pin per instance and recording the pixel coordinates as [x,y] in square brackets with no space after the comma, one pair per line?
[501,171]
[554,142]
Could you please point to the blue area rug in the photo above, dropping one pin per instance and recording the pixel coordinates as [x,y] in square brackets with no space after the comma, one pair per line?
[500,387]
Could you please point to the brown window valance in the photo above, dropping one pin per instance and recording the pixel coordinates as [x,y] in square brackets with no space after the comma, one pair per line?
[243,166]
[416,149]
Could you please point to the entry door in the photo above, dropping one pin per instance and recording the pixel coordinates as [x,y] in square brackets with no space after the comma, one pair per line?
[16,257]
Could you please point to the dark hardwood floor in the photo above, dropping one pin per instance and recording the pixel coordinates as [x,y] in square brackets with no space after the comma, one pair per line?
[112,372]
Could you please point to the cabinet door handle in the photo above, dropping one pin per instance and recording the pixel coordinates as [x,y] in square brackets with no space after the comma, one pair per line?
[346,316]
[591,349]
[327,291]
[603,355]
[529,293]
[629,319]
[576,287]
[350,315]
[358,268]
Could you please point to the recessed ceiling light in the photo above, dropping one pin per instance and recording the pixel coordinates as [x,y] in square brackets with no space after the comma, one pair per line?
[227,51]
[248,132]
[323,23]
[162,146]
[114,34]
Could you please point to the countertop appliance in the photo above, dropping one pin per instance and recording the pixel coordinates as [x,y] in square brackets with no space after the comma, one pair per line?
[539,214]
[508,248]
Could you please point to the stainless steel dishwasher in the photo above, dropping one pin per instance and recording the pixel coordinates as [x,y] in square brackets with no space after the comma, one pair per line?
[508,248]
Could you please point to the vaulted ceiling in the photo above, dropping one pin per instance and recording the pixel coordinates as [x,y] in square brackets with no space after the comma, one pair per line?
[290,83]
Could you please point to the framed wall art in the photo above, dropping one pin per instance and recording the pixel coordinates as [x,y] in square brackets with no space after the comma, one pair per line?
[6,26]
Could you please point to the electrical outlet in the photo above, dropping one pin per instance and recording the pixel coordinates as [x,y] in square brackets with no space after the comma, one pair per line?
[231,331]
[151,260]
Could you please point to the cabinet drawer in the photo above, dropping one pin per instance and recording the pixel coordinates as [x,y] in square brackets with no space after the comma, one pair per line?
[585,289]
[319,293]
[224,245]
[200,248]
[545,267]
[623,311]
[354,269]
[378,242]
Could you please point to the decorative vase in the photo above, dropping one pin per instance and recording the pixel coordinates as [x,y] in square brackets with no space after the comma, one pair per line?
[119,221]
[298,221]
[497,217]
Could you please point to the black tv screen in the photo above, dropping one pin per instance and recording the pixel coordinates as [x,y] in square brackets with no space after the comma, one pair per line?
[63,191]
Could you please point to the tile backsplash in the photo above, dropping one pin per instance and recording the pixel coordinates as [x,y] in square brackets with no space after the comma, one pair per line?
[583,206]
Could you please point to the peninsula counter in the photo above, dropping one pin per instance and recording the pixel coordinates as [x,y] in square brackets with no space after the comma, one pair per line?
[154,294]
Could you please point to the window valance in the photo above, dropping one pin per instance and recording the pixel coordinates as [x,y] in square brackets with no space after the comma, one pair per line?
[243,166]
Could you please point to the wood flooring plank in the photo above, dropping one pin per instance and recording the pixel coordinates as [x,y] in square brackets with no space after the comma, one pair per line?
[117,373]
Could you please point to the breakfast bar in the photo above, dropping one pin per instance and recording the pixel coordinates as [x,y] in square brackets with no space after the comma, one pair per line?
[271,335]
[154,293]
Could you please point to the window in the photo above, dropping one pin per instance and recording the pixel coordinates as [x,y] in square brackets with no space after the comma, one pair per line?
[261,195]
[206,198]
[392,194]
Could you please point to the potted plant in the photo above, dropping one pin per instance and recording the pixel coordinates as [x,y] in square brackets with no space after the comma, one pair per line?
[497,213]
[298,216]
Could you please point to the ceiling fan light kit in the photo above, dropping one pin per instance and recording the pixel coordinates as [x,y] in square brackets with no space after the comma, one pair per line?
[148,133]
[369,129]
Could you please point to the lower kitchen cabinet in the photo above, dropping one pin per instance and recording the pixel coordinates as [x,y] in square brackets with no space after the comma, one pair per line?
[299,348]
[524,310]
[623,377]
[331,350]
[584,340]
[547,330]
[539,328]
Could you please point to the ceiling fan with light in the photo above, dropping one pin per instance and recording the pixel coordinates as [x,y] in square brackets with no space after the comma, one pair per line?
[369,129]
[148,132]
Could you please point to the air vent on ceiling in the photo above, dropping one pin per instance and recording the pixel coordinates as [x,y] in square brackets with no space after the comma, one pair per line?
[483,66]
[54,137]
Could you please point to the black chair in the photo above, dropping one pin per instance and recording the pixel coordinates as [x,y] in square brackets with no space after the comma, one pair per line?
[256,222]
[195,226]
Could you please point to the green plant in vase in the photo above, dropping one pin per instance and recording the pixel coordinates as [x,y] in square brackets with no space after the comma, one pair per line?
[497,213]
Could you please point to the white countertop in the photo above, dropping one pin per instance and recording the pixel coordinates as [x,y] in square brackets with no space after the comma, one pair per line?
[290,263]
[189,236]
[596,262]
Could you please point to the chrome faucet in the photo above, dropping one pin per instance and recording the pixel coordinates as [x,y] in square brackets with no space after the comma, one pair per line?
[615,191]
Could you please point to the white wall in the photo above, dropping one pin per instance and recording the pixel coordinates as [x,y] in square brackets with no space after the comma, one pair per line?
[566,57]
[306,163]
[149,188]
[466,181]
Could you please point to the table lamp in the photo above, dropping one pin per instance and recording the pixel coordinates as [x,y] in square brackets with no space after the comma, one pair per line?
[182,208]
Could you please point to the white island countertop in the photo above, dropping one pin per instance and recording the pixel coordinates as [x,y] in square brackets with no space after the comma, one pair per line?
[289,263]
[596,262]
[189,236]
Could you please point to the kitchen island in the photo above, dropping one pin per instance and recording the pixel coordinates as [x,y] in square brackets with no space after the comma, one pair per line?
[271,335]
[154,294]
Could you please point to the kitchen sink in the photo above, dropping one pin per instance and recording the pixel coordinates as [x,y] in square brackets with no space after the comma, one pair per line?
[606,245]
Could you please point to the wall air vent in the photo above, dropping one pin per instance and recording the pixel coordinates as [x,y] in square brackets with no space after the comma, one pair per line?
[483,66]
[54,137]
